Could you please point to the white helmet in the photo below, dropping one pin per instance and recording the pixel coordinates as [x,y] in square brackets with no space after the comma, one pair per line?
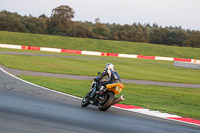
[109,66]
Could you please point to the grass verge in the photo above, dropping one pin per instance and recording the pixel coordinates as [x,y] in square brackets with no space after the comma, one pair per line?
[40,40]
[90,65]
[180,101]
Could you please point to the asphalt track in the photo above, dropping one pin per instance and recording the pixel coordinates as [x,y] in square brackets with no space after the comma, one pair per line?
[26,108]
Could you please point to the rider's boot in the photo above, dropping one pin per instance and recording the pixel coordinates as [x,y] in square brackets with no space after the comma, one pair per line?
[101,91]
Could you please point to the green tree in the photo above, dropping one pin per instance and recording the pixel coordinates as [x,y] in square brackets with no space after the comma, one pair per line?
[60,22]
[11,22]
[33,24]
[82,30]
[101,30]
[195,39]
[155,36]
[176,37]
[159,35]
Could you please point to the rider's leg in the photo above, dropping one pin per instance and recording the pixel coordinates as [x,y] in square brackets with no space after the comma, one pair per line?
[102,87]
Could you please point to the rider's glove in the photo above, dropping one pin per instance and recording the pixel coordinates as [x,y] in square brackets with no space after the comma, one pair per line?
[96,79]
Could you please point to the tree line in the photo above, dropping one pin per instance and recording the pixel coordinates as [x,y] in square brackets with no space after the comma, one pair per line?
[60,23]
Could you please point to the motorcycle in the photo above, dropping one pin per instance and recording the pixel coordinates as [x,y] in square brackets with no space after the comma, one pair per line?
[107,99]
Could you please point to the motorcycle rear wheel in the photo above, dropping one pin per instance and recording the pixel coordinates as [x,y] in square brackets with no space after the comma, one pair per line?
[103,106]
[86,101]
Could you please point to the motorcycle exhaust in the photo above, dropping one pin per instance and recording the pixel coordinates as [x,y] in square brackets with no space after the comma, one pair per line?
[117,100]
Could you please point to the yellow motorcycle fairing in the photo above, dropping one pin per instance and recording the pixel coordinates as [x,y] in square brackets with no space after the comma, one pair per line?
[115,87]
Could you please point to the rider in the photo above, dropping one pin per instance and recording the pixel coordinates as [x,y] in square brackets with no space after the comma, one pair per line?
[113,77]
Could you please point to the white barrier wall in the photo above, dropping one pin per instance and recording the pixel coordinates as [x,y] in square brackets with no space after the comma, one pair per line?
[50,49]
[187,65]
[164,58]
[91,53]
[127,55]
[10,46]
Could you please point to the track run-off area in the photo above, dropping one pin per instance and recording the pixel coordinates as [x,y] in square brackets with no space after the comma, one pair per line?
[26,107]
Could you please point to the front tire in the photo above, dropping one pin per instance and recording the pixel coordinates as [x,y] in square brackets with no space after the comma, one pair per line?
[86,101]
[106,104]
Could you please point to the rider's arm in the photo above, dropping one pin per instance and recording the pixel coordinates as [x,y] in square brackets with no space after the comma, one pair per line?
[103,74]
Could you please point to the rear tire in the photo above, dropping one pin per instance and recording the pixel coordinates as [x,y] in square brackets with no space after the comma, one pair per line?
[110,96]
[86,101]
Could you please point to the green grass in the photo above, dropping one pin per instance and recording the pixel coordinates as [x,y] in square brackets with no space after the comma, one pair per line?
[127,68]
[180,101]
[28,39]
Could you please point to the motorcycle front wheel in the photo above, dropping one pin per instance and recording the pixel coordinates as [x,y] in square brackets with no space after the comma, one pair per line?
[86,101]
[106,103]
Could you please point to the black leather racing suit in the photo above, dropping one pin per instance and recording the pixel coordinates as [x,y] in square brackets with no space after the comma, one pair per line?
[113,77]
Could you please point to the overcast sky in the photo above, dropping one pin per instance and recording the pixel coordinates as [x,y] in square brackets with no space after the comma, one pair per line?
[184,13]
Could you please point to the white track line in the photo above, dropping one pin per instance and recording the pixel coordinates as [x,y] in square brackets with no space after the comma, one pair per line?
[38,85]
